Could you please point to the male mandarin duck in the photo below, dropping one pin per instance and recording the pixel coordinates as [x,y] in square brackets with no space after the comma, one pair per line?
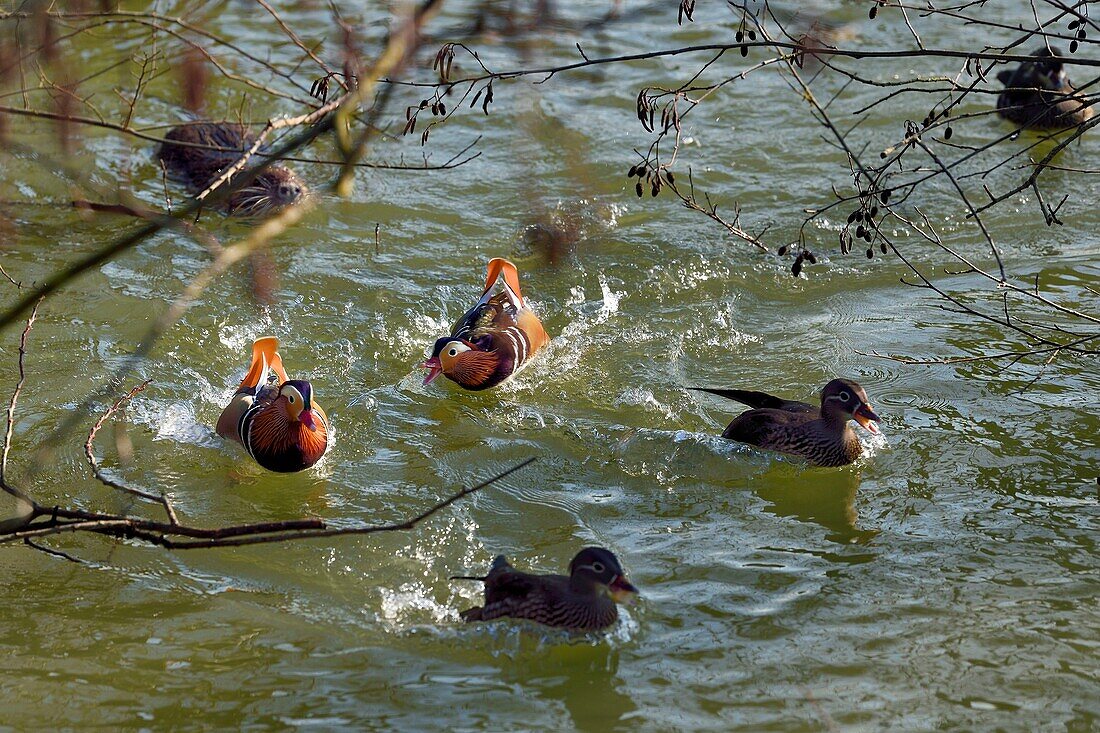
[494,340]
[584,600]
[277,421]
[1038,94]
[821,435]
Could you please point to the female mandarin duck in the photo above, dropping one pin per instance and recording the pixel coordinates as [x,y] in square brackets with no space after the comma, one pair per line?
[584,600]
[494,340]
[277,421]
[1039,95]
[820,435]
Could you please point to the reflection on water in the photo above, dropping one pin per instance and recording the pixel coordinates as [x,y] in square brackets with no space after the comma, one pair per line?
[581,677]
[825,497]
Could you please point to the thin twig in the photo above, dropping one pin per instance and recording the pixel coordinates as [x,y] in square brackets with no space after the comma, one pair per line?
[161,499]
[11,409]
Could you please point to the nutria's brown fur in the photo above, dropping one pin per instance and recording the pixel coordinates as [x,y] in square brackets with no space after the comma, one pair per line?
[1039,95]
[208,147]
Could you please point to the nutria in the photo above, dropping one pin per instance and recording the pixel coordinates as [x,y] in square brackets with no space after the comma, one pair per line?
[211,146]
[1039,94]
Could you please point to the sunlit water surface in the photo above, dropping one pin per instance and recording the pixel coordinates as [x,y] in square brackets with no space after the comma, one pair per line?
[946,581]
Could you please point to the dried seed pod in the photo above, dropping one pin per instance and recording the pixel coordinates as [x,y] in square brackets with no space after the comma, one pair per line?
[873,12]
[740,36]
[1073,24]
[884,197]
[752,35]
[947,133]
[1081,35]
[882,247]
[811,258]
[656,187]
[782,250]
[860,231]
[671,178]
[870,253]
[797,266]
[442,108]
[630,173]
[874,212]
[852,216]
[1073,46]
[638,189]
[744,51]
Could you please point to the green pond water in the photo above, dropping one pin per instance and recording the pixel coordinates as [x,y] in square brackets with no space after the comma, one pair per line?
[946,581]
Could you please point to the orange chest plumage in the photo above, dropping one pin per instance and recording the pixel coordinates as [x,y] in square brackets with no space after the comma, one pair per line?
[275,417]
[279,443]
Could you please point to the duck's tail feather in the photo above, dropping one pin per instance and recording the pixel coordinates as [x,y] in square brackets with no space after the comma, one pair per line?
[263,355]
[744,396]
[277,366]
[499,266]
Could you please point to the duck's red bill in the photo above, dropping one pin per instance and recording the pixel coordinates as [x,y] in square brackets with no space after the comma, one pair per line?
[306,418]
[435,369]
[621,590]
[867,419]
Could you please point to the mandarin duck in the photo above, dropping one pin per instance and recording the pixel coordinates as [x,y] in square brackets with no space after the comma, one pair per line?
[584,600]
[196,153]
[276,420]
[494,340]
[1038,94]
[821,435]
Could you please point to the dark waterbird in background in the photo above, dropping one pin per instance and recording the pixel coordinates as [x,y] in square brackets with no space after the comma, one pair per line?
[277,421]
[584,600]
[1039,95]
[493,340]
[821,435]
[197,153]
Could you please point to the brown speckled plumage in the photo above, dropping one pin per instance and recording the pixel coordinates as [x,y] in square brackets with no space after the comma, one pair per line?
[584,600]
[1039,95]
[821,435]
[196,154]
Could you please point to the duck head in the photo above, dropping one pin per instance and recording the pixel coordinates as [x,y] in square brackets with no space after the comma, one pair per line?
[1045,72]
[461,361]
[1049,71]
[597,571]
[297,395]
[843,400]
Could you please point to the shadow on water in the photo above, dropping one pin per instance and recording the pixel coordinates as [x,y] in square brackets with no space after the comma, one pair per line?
[824,497]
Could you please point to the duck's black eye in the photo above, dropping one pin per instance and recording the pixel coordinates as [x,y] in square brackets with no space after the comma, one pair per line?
[290,398]
[598,567]
[844,396]
[453,352]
